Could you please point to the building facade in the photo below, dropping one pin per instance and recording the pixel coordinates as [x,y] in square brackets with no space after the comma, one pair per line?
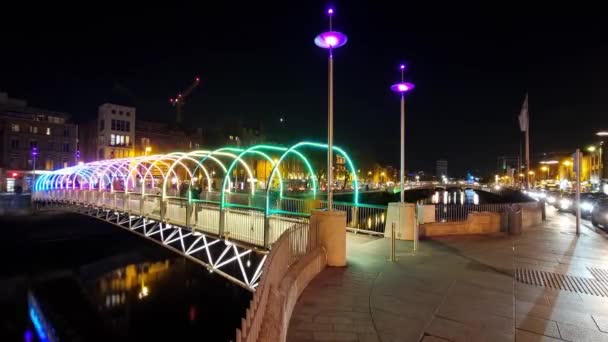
[442,168]
[156,137]
[111,135]
[33,138]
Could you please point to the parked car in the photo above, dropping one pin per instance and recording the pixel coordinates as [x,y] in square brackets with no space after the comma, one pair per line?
[566,202]
[588,201]
[599,214]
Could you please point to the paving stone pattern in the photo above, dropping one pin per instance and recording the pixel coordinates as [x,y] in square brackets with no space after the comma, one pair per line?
[458,289]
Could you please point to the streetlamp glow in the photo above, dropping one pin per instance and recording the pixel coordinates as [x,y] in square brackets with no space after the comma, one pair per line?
[330,40]
[401,88]
[591,148]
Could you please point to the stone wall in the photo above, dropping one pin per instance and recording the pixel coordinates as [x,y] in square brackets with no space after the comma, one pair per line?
[283,299]
[484,222]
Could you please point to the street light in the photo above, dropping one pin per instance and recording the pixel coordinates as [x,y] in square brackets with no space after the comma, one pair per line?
[401,88]
[330,40]
[34,157]
[545,168]
[148,150]
[591,148]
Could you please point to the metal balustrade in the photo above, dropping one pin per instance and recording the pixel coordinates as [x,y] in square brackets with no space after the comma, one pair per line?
[460,212]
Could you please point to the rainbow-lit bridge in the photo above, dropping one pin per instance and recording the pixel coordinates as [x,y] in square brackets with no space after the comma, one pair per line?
[224,220]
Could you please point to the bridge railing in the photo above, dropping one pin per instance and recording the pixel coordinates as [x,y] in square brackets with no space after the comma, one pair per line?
[296,242]
[460,212]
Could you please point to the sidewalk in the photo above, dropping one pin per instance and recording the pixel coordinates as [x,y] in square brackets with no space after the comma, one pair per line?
[463,289]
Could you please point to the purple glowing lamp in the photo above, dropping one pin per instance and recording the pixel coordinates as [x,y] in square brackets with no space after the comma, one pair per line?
[330,40]
[402,87]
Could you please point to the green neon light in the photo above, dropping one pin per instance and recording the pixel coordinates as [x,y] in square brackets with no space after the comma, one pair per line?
[317,145]
[254,150]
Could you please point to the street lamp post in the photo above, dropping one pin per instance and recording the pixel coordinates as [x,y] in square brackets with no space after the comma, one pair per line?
[401,88]
[330,40]
[34,157]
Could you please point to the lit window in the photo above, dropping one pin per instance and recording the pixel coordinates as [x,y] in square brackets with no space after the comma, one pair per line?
[48,131]
[14,128]
[231,137]
[127,140]
[33,129]
[112,139]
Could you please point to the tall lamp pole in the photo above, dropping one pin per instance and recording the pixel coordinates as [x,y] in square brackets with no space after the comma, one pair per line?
[330,40]
[402,88]
[34,156]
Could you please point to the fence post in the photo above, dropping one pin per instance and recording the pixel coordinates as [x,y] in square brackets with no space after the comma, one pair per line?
[188,214]
[393,257]
[222,220]
[266,231]
[163,209]
[355,216]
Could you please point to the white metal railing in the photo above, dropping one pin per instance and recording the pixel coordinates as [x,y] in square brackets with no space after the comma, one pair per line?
[460,212]
[295,243]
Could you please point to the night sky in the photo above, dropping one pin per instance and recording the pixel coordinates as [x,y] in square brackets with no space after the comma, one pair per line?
[471,66]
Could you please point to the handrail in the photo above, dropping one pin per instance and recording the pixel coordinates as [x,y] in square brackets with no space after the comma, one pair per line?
[293,244]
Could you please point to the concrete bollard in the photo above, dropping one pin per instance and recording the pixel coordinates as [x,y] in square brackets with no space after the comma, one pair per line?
[332,234]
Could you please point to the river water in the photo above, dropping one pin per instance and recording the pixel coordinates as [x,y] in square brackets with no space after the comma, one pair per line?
[96,282]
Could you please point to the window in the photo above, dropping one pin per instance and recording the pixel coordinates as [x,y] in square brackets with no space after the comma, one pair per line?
[121,140]
[48,164]
[128,126]
[112,139]
[66,132]
[66,147]
[14,128]
[231,137]
[48,131]
[113,125]
[113,111]
[120,112]
[128,113]
[14,143]
[127,140]
[51,146]
[33,129]
[102,124]
[33,143]
[65,163]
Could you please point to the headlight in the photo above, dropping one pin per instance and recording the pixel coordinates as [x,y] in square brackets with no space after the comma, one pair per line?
[551,199]
[586,206]
[565,203]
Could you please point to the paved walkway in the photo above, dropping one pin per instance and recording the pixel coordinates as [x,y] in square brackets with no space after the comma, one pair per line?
[461,289]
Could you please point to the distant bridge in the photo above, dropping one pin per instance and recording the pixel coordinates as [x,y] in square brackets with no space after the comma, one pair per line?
[171,200]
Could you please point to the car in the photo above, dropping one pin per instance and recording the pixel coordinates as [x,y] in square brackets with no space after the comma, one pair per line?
[588,201]
[566,202]
[552,197]
[599,214]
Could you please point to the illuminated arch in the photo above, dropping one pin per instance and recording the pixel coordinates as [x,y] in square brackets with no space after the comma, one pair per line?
[316,145]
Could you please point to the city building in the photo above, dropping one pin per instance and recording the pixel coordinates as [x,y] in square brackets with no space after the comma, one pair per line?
[442,168]
[111,135]
[33,138]
[157,137]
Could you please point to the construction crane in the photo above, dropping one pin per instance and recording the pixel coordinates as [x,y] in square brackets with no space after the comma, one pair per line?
[179,100]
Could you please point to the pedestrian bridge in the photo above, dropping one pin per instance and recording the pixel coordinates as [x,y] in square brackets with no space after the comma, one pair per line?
[222,208]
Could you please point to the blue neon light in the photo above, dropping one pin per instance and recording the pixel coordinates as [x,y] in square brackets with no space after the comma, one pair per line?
[38,325]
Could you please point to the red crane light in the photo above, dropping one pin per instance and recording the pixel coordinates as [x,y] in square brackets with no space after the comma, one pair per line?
[197,79]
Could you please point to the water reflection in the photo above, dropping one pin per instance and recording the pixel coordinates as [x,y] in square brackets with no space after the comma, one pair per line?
[106,284]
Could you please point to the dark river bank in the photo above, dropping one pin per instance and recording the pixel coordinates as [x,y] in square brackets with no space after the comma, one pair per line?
[96,282]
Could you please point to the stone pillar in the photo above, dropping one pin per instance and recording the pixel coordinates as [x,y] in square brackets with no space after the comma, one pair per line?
[332,235]
[403,215]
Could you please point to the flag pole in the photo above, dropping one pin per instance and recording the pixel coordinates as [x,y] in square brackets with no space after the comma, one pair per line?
[528,154]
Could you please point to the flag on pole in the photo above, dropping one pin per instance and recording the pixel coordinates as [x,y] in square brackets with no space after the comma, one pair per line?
[523,116]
